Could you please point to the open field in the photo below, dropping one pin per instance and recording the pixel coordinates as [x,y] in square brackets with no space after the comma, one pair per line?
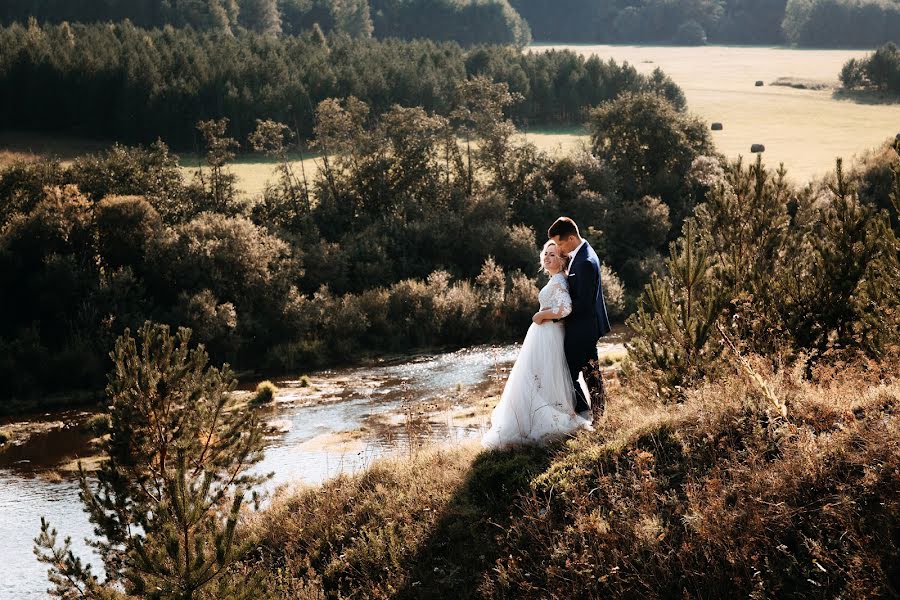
[253,170]
[803,128]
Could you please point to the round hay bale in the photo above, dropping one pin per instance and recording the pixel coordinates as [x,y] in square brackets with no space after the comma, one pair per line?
[757,148]
[717,127]
[759,83]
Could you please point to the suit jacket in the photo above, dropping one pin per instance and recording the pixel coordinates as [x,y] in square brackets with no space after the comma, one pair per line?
[588,319]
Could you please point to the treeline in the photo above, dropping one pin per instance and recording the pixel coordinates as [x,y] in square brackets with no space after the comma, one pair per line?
[842,23]
[467,22]
[133,85]
[809,23]
[880,70]
[683,22]
[816,23]
[406,237]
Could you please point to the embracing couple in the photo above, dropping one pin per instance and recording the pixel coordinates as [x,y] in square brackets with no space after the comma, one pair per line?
[557,371]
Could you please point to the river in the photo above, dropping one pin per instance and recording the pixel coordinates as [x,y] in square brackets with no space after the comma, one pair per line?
[332,422]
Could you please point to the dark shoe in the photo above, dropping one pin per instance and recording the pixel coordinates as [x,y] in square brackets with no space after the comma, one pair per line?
[594,380]
[581,405]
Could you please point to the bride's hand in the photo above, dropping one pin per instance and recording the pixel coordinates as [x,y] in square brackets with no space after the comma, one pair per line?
[538,318]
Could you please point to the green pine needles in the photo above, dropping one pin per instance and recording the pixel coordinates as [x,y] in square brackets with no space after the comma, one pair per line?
[790,274]
[166,502]
[675,319]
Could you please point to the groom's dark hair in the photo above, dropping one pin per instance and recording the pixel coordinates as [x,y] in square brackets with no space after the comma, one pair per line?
[564,227]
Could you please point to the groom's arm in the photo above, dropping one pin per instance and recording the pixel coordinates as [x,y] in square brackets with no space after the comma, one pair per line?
[583,296]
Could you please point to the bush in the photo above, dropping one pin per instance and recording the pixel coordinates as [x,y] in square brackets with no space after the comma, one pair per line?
[613,293]
[265,392]
[126,225]
[99,424]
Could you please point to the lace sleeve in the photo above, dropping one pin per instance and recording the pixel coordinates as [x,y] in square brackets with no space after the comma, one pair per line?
[560,301]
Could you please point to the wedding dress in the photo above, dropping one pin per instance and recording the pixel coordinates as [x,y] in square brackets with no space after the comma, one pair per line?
[537,401]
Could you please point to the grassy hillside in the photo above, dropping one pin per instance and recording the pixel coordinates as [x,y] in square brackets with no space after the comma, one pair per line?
[716,497]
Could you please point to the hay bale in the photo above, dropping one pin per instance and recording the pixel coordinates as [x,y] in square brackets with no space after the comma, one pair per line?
[717,127]
[757,148]
[759,83]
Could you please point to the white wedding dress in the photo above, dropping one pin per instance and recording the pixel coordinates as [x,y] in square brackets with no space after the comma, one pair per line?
[537,401]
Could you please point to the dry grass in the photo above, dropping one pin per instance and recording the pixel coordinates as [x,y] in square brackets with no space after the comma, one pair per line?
[712,498]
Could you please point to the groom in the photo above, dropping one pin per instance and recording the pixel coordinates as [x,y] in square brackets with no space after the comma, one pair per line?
[588,320]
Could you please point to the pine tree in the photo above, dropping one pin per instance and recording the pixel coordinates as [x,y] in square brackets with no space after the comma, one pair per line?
[846,295]
[167,498]
[746,227]
[261,16]
[674,324]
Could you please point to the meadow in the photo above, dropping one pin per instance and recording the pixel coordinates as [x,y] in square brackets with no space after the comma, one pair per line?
[805,129]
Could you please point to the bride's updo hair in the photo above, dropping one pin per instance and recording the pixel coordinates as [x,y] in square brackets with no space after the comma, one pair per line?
[563,261]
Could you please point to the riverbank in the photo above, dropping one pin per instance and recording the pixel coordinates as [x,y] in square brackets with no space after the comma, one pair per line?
[457,392]
[715,497]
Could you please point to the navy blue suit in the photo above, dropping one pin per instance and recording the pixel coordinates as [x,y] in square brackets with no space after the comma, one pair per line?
[588,320]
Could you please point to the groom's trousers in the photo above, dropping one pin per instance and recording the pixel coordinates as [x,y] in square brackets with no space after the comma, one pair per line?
[575,368]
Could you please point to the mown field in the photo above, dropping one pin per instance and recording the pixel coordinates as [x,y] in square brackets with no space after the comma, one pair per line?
[803,128]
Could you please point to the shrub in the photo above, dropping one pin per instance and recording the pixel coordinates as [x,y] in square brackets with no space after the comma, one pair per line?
[265,392]
[613,293]
[99,424]
[125,225]
[853,74]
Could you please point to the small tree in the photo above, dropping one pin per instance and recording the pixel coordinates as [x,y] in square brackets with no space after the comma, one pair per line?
[674,339]
[168,496]
[746,227]
[272,138]
[220,189]
[853,74]
[845,298]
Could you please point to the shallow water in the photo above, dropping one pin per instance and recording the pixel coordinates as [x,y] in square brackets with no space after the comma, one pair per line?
[309,448]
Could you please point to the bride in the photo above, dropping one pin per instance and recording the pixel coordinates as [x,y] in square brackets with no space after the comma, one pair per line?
[537,401]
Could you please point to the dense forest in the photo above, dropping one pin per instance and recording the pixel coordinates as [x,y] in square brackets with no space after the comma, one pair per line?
[465,21]
[686,22]
[128,84]
[807,23]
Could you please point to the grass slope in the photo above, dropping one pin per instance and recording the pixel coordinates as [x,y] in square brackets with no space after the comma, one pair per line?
[712,498]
